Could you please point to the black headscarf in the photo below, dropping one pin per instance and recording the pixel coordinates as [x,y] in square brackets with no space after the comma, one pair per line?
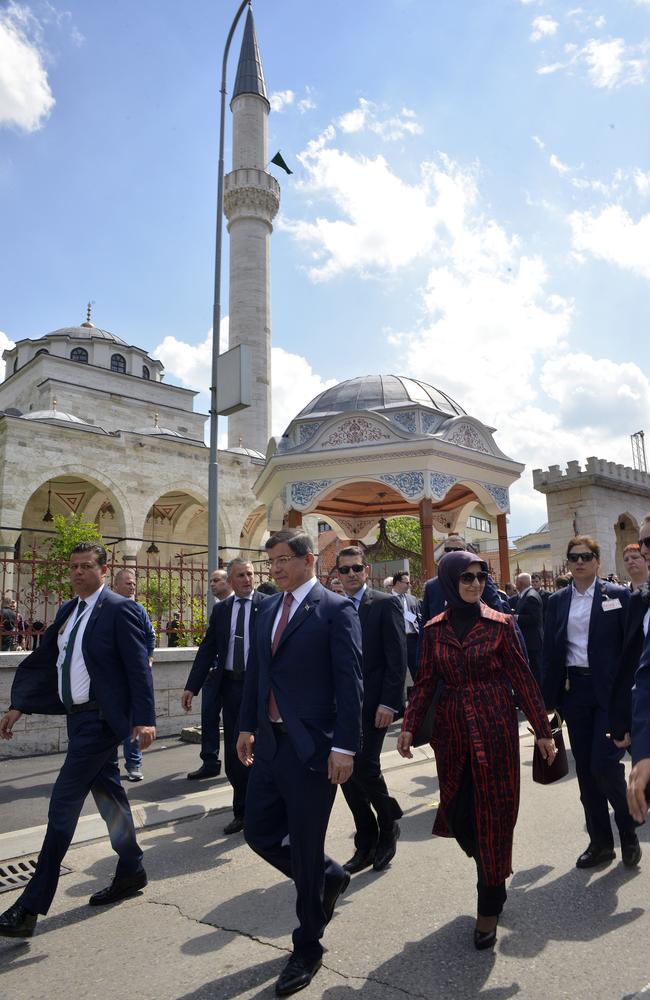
[462,614]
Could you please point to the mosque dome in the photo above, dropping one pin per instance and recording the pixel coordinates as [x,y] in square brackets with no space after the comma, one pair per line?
[86,331]
[380,392]
[53,415]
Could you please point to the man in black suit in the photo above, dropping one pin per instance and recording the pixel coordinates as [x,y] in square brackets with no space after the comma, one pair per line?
[384,670]
[93,666]
[223,656]
[411,613]
[530,616]
[536,583]
[301,712]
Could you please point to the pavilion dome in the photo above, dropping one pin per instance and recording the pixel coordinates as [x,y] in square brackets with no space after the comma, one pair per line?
[380,392]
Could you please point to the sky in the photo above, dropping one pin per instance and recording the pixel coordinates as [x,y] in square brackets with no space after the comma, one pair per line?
[470,202]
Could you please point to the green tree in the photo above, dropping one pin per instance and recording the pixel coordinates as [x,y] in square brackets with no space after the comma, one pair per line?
[52,575]
[405,532]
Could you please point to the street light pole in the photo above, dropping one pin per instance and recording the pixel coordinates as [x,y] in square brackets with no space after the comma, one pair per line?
[213,468]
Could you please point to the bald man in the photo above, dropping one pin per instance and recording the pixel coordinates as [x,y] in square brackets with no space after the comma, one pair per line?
[530,617]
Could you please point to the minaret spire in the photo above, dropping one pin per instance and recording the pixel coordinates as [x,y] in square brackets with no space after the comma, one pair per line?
[251,201]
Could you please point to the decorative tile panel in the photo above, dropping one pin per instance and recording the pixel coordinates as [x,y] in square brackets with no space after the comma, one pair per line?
[500,496]
[431,422]
[405,419]
[468,437]
[303,493]
[356,527]
[440,484]
[355,430]
[307,431]
[409,484]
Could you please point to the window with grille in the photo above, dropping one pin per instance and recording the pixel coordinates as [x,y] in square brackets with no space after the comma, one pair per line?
[118,363]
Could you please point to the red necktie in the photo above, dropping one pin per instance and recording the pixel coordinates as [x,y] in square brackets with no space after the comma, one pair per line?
[273,710]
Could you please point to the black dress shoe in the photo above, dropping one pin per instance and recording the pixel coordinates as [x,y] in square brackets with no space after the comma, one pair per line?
[631,852]
[236,825]
[362,858]
[17,922]
[595,856]
[386,847]
[204,772]
[297,973]
[122,887]
[332,892]
[485,939]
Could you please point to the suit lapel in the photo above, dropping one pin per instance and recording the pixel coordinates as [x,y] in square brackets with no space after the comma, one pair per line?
[566,605]
[94,615]
[600,593]
[364,607]
[300,615]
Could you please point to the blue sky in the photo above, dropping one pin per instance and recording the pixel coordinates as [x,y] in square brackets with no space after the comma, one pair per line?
[470,203]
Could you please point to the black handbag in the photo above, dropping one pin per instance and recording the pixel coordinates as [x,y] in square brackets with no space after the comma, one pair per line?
[546,774]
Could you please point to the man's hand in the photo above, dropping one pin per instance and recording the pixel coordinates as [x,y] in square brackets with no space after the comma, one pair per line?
[383,717]
[339,767]
[404,741]
[624,743]
[186,700]
[145,735]
[636,786]
[245,748]
[7,723]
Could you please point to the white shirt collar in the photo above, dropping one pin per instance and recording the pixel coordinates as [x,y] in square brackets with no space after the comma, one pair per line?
[589,592]
[358,596]
[300,593]
[92,599]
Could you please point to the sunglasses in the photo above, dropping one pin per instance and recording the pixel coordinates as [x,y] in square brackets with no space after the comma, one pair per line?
[575,557]
[453,548]
[355,568]
[644,541]
[468,578]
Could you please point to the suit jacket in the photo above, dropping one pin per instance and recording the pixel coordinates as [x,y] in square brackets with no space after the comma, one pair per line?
[315,674]
[641,708]
[530,616]
[115,653]
[214,647]
[384,652]
[605,641]
[620,712]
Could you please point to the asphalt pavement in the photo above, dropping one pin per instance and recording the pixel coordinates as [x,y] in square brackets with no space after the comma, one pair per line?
[215,921]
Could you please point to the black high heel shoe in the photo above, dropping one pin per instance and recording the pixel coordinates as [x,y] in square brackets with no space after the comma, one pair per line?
[485,939]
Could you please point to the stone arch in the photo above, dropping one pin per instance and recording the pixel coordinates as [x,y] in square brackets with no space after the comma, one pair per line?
[626,532]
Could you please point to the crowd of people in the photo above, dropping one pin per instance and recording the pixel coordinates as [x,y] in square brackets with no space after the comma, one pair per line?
[307,680]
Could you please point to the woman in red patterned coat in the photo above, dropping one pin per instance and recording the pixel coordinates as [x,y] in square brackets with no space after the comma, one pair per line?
[475,653]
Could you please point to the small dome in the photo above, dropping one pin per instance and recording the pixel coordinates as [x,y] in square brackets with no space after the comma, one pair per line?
[249,452]
[155,431]
[85,332]
[53,415]
[380,392]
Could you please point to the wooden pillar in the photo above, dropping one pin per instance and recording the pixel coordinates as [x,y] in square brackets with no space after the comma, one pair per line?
[504,562]
[426,537]
[293,519]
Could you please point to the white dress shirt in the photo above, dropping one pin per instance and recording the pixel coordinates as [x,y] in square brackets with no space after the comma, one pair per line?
[248,604]
[577,631]
[410,618]
[646,622]
[79,676]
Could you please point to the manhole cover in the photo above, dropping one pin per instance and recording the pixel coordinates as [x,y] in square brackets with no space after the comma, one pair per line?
[15,874]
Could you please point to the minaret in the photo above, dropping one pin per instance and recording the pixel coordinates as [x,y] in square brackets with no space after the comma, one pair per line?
[251,201]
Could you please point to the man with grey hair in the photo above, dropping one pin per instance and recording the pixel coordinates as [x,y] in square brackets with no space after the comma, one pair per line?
[529,612]
[124,584]
[223,655]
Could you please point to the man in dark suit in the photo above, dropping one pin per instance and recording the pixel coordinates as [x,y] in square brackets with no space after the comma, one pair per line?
[383,642]
[583,638]
[530,615]
[536,583]
[223,655]
[93,666]
[639,780]
[411,613]
[301,712]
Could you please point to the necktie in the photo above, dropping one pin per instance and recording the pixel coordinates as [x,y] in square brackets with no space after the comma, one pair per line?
[66,689]
[273,710]
[238,659]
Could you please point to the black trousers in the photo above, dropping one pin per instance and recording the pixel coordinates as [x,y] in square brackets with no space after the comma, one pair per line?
[366,791]
[90,765]
[599,768]
[460,820]
[236,772]
[210,712]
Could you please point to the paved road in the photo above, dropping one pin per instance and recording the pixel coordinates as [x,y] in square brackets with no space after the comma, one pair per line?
[215,921]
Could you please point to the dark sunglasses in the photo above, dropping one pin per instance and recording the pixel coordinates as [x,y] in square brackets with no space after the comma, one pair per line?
[355,567]
[453,549]
[644,541]
[575,557]
[481,576]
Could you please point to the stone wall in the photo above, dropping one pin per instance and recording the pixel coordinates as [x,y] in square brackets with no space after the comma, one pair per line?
[41,734]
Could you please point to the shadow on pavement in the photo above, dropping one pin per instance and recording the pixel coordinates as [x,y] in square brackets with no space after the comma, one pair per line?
[230,987]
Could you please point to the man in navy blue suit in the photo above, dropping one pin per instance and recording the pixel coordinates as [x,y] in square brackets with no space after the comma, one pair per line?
[223,656]
[300,729]
[92,666]
[583,638]
[639,781]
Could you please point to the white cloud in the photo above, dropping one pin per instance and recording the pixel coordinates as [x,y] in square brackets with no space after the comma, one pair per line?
[613,236]
[25,96]
[538,142]
[578,384]
[306,103]
[610,64]
[280,99]
[365,116]
[557,164]
[543,27]
[5,345]
[642,181]
[294,384]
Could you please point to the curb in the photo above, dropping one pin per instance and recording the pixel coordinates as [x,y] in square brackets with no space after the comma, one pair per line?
[18,843]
